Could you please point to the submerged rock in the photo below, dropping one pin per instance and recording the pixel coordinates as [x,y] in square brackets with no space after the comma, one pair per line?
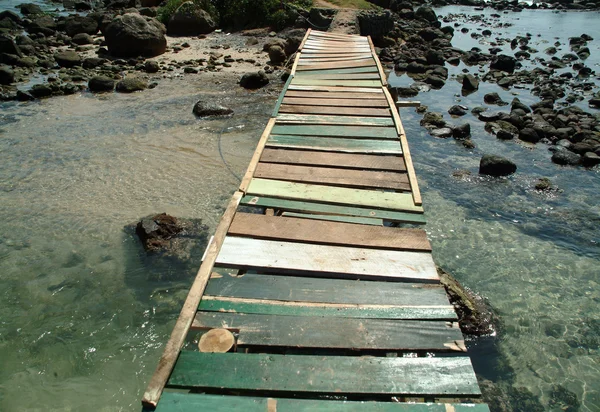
[493,165]
[210,109]
[566,157]
[156,231]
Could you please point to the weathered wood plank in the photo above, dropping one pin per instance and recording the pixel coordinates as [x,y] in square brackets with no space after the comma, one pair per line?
[337,65]
[335,102]
[321,60]
[178,402]
[334,332]
[319,374]
[370,69]
[375,94]
[331,218]
[299,80]
[175,343]
[336,195]
[344,49]
[330,110]
[289,308]
[327,34]
[314,207]
[321,290]
[271,255]
[256,156]
[333,131]
[344,76]
[320,88]
[338,43]
[346,160]
[381,72]
[407,157]
[307,119]
[329,233]
[335,144]
[334,176]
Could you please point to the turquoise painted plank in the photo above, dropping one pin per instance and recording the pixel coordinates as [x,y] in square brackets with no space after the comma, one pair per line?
[338,375]
[288,118]
[358,83]
[336,131]
[336,144]
[299,206]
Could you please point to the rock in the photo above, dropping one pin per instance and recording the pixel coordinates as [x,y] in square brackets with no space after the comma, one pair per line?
[8,46]
[93,62]
[563,399]
[441,132]
[131,84]
[406,91]
[254,80]
[10,20]
[590,159]
[7,76]
[277,55]
[133,35]
[492,165]
[529,134]
[151,66]
[502,129]
[543,184]
[461,131]
[67,58]
[433,120]
[98,84]
[82,38]
[190,20]
[458,110]
[489,116]
[43,24]
[80,24]
[41,90]
[156,231]
[321,18]
[274,42]
[504,63]
[516,104]
[436,81]
[566,157]
[470,82]
[210,109]
[426,13]
[494,98]
[28,9]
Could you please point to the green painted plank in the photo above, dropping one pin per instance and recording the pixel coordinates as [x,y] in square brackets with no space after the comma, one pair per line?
[334,332]
[178,402]
[330,218]
[342,76]
[336,144]
[358,83]
[298,206]
[334,120]
[281,96]
[322,290]
[332,375]
[336,131]
[260,306]
[370,69]
[335,195]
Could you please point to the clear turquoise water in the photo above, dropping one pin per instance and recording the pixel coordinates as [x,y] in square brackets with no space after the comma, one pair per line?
[83,322]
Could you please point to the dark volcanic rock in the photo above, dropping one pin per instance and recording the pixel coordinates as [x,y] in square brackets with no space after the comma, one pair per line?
[41,90]
[82,38]
[254,80]
[101,84]
[131,84]
[151,66]
[67,58]
[43,24]
[7,45]
[133,35]
[566,157]
[277,55]
[433,120]
[156,231]
[590,159]
[470,82]
[80,24]
[442,132]
[190,20]
[30,9]
[426,13]
[504,63]
[529,134]
[494,98]
[489,116]
[458,110]
[492,165]
[461,131]
[210,109]
[7,76]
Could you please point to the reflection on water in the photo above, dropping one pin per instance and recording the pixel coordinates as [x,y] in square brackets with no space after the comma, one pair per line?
[533,255]
[83,319]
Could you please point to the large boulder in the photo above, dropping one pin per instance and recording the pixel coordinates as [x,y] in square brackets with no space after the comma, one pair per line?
[254,80]
[80,24]
[7,45]
[566,157]
[135,35]
[10,20]
[190,20]
[426,13]
[492,165]
[504,63]
[43,24]
[30,9]
[470,83]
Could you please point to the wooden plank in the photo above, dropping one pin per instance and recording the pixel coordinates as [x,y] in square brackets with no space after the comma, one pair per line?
[335,102]
[344,76]
[414,184]
[330,218]
[327,34]
[335,332]
[335,144]
[305,39]
[322,60]
[307,119]
[178,402]
[330,233]
[375,95]
[321,290]
[336,195]
[282,96]
[371,69]
[182,326]
[271,255]
[320,88]
[381,72]
[289,308]
[329,49]
[334,176]
[256,156]
[332,375]
[351,111]
[336,65]
[332,131]
[408,103]
[346,160]
[332,43]
[313,207]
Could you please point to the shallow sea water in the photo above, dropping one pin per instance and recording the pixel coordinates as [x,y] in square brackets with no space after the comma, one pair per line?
[83,322]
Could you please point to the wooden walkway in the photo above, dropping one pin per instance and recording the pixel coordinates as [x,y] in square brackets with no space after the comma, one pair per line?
[316,292]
